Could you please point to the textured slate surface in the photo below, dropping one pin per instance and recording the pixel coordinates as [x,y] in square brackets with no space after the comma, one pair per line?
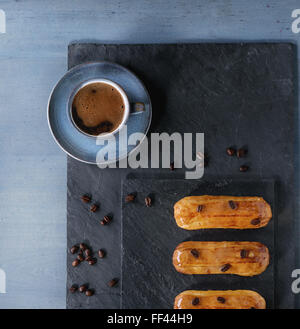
[150,235]
[237,94]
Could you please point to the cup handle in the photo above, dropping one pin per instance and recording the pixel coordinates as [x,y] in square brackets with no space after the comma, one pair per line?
[137,108]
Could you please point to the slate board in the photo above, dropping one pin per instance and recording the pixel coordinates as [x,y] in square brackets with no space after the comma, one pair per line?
[150,235]
[237,94]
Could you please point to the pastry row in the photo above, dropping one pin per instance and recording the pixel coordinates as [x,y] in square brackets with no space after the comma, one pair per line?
[226,257]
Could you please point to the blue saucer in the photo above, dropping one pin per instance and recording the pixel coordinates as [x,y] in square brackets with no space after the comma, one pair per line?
[68,137]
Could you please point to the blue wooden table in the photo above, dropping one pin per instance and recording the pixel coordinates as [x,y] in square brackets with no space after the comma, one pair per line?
[33,56]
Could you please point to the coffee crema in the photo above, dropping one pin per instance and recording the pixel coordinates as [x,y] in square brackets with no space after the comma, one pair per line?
[98,108]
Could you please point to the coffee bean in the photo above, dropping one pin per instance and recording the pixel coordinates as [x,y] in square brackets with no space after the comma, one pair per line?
[244,168]
[232,204]
[86,198]
[88,252]
[105,220]
[130,197]
[89,258]
[148,201]
[74,249]
[83,288]
[113,282]
[230,151]
[225,268]
[73,288]
[195,301]
[172,166]
[251,254]
[221,300]
[195,253]
[200,207]
[80,257]
[92,261]
[94,208]
[89,292]
[76,262]
[241,153]
[255,221]
[244,253]
[83,246]
[101,253]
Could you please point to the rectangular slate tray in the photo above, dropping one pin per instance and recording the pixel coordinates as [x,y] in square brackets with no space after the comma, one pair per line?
[237,94]
[150,235]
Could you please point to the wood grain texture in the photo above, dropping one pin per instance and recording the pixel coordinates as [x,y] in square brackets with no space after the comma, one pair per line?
[219,299]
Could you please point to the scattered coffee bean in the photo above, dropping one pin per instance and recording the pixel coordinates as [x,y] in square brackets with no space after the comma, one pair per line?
[244,253]
[83,246]
[200,207]
[94,208]
[88,252]
[172,166]
[89,258]
[148,201]
[86,198]
[230,151]
[195,253]
[92,261]
[89,292]
[195,301]
[130,197]
[73,288]
[225,268]
[232,204]
[255,221]
[105,220]
[80,257]
[113,282]
[241,153]
[101,253]
[244,168]
[221,300]
[74,249]
[83,288]
[76,262]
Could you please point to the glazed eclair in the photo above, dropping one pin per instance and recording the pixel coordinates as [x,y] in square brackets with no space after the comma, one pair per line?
[219,299]
[203,212]
[226,257]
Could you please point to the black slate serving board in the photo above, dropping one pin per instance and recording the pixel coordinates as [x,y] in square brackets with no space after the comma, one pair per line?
[237,94]
[150,235]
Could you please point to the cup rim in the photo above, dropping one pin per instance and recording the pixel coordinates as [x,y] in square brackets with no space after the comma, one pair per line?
[124,98]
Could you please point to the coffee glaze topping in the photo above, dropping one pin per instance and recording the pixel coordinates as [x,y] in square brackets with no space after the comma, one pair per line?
[98,108]
[221,212]
[234,299]
[221,258]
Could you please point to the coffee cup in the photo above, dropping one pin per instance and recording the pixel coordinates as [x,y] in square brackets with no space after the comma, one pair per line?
[101,108]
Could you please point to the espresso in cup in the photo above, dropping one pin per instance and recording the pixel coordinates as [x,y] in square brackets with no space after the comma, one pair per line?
[98,108]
